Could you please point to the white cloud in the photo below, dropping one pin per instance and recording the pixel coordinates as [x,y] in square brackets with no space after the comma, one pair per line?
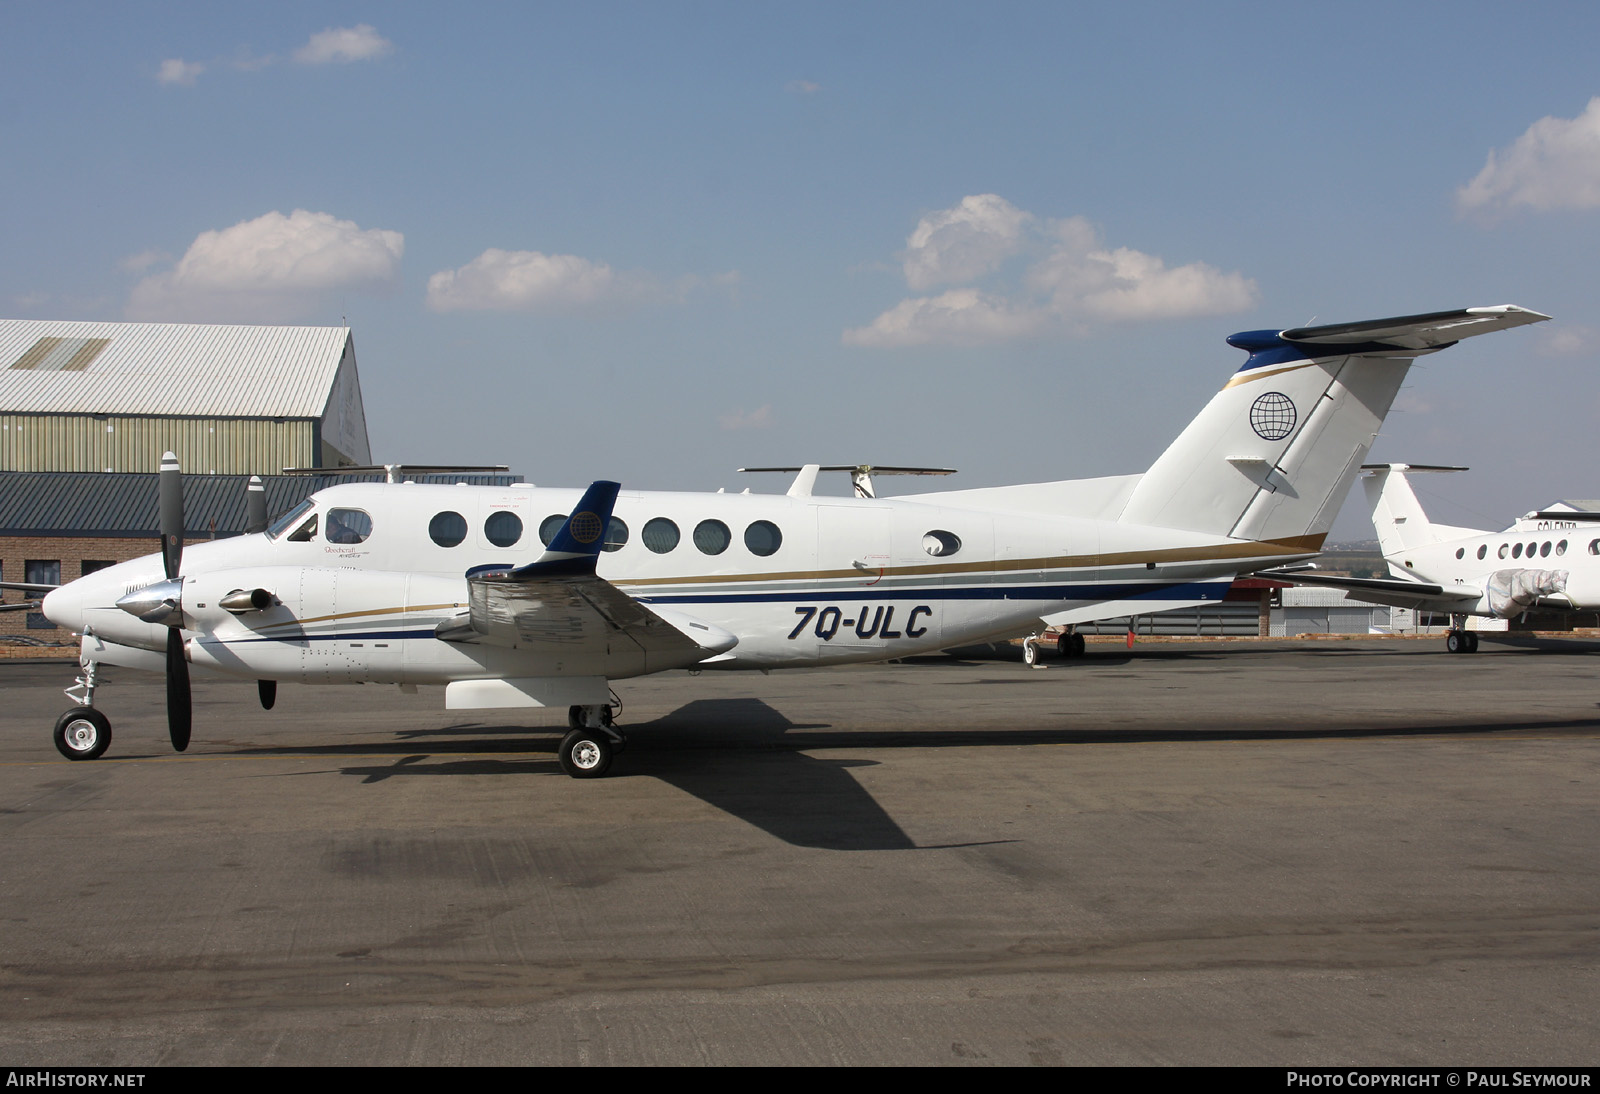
[528,281]
[336,44]
[1567,341]
[802,87]
[1072,281]
[271,269]
[533,281]
[759,418]
[139,263]
[357,43]
[963,317]
[1554,165]
[960,244]
[175,70]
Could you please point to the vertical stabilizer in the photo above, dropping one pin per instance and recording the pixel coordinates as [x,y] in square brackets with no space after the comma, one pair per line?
[1275,452]
[1397,516]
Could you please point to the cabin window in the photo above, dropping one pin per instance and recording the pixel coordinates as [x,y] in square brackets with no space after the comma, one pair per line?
[502,529]
[1461,552]
[1483,549]
[616,535]
[447,529]
[1503,549]
[1594,546]
[763,538]
[939,543]
[1561,548]
[660,535]
[1516,551]
[549,526]
[1544,549]
[712,537]
[1532,547]
[287,520]
[347,526]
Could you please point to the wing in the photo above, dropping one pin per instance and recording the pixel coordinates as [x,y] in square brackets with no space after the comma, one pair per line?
[1382,590]
[560,605]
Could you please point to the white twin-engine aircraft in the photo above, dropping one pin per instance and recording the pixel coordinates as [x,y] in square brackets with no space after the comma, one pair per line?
[1546,561]
[524,597]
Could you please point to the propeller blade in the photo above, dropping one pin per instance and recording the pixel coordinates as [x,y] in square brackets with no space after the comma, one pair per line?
[268,691]
[179,710]
[171,493]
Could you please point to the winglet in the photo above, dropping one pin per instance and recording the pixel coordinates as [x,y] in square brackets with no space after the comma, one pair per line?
[575,546]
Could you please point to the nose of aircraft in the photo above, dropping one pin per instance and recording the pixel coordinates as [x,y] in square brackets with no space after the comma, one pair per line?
[64,606]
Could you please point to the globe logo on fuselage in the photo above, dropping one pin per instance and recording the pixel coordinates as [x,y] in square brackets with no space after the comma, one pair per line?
[1272,416]
[585,527]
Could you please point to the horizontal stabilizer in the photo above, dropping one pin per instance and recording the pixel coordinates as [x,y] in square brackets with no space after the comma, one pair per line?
[1428,331]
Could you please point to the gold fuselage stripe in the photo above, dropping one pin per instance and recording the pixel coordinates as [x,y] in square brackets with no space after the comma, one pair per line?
[1299,545]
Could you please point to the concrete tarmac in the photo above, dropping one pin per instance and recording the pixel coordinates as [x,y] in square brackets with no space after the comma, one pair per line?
[1321,853]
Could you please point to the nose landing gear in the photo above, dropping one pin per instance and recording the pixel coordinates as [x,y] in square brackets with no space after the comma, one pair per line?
[83,733]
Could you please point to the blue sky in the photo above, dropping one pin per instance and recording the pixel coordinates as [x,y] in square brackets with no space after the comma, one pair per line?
[656,242]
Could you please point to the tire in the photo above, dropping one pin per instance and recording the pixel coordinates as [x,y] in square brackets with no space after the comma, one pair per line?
[1064,645]
[83,733]
[1472,642]
[1454,642]
[1080,644]
[1030,653]
[585,754]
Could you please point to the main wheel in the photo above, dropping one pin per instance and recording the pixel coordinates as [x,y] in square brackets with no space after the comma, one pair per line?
[1472,642]
[1454,642]
[1080,645]
[585,754]
[82,733]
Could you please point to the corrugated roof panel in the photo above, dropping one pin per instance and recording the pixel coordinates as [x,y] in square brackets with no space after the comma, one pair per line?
[167,368]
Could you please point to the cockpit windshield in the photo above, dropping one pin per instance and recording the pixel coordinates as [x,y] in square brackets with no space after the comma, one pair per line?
[289,519]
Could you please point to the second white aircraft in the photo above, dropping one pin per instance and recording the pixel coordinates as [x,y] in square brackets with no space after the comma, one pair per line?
[1545,561]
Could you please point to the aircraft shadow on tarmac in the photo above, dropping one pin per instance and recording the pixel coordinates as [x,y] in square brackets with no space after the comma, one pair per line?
[747,759]
[733,754]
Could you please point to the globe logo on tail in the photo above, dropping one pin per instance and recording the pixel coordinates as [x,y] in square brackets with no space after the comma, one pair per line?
[586,527]
[1272,416]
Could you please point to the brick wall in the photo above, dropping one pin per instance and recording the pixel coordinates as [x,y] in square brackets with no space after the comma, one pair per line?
[70,552]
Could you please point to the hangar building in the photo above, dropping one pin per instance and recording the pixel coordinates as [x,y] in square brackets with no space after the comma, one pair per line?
[229,400]
[87,409]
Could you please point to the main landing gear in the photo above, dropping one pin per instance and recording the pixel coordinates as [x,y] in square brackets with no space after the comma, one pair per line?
[1068,644]
[1460,640]
[588,747]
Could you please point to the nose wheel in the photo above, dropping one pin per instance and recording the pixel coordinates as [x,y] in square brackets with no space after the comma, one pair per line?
[83,733]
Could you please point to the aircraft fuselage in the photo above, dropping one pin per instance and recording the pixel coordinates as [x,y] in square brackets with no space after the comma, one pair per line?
[363,594]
